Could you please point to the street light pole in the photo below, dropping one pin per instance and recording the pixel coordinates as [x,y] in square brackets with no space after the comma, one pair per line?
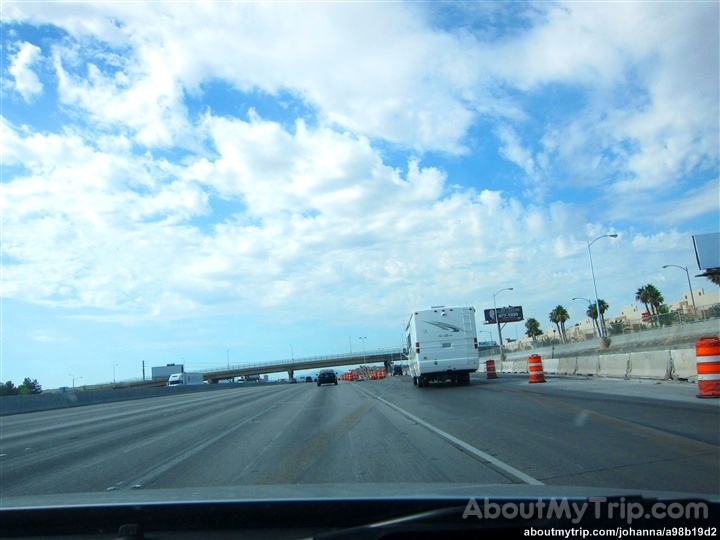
[292,354]
[227,355]
[589,307]
[363,345]
[692,296]
[74,379]
[114,366]
[488,332]
[497,320]
[592,271]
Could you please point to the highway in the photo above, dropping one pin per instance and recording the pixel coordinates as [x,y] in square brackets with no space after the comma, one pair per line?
[568,431]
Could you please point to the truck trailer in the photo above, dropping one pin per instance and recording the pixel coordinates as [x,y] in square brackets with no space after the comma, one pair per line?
[179,379]
[163,372]
[442,345]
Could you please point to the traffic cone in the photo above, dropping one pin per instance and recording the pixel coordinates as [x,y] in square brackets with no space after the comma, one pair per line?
[707,351]
[490,369]
[535,368]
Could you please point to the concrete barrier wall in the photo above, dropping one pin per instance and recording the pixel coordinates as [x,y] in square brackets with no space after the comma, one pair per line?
[650,365]
[684,364]
[44,402]
[550,365]
[644,338]
[567,366]
[504,367]
[587,365]
[520,366]
[613,365]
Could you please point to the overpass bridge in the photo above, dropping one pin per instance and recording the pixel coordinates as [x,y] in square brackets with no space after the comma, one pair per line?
[382,356]
[214,375]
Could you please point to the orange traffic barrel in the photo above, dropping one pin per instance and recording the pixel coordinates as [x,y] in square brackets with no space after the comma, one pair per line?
[490,369]
[535,368]
[707,351]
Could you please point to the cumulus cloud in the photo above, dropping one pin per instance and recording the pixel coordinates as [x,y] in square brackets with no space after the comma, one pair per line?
[157,198]
[27,83]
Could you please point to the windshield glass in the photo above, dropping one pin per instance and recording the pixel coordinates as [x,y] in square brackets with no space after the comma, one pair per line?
[440,203]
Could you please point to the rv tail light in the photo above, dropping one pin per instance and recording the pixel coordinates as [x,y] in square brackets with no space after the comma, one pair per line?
[417,346]
[475,340]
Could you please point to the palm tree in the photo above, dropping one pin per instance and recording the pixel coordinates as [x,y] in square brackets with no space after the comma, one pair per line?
[641,295]
[715,278]
[558,316]
[533,328]
[655,297]
[592,313]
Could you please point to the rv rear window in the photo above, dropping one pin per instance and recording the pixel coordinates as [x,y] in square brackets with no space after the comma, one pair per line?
[447,345]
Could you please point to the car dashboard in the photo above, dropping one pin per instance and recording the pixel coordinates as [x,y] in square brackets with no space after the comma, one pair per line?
[450,512]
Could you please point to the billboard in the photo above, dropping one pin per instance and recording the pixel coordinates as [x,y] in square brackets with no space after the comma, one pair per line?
[707,250]
[504,315]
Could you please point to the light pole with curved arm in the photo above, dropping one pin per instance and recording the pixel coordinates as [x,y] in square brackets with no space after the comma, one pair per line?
[363,345]
[592,271]
[692,296]
[589,307]
[497,320]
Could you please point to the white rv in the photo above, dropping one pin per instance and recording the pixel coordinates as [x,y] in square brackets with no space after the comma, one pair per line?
[442,345]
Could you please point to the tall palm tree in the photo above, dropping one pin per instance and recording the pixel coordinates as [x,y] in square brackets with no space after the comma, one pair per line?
[558,316]
[655,297]
[593,314]
[641,295]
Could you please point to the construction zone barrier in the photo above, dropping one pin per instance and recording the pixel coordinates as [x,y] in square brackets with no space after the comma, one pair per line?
[684,364]
[535,368]
[707,351]
[586,365]
[567,366]
[650,365]
[520,366]
[550,365]
[613,365]
[490,369]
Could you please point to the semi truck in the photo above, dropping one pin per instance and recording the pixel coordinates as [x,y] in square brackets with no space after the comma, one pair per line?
[178,379]
[442,345]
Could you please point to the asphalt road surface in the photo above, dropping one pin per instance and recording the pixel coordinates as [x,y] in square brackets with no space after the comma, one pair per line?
[568,431]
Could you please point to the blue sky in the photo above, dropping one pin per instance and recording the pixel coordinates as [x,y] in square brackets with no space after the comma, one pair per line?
[184,179]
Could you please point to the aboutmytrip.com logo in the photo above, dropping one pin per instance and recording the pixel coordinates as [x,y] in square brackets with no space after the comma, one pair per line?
[573,512]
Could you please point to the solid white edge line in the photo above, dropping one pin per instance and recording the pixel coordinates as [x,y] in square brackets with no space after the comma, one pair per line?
[465,446]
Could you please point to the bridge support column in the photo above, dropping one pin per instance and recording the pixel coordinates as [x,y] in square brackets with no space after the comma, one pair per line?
[291,373]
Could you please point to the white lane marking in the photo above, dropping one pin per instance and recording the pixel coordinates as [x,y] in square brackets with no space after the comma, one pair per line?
[467,447]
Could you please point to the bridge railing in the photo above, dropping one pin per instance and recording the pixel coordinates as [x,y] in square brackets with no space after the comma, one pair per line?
[355,357]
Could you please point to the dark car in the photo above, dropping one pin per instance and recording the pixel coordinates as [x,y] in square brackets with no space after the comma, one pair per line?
[326,376]
[308,379]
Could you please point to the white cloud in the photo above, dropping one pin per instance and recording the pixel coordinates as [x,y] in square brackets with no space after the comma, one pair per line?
[27,82]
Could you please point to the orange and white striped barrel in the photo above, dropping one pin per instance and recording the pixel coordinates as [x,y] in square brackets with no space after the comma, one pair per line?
[535,368]
[490,372]
[707,351]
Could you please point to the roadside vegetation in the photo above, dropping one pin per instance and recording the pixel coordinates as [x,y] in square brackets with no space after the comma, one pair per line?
[657,314]
[27,387]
